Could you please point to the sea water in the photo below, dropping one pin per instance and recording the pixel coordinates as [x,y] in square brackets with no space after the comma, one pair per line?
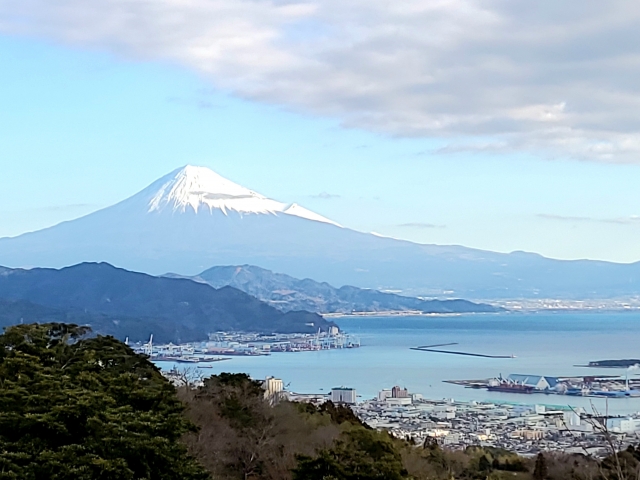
[543,344]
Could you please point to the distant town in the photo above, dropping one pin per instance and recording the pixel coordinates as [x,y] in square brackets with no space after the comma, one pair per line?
[568,305]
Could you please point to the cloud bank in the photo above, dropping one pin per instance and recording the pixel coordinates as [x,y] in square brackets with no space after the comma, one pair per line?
[547,77]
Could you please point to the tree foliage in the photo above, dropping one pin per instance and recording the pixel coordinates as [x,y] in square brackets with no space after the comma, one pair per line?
[242,435]
[359,454]
[540,471]
[81,408]
[84,408]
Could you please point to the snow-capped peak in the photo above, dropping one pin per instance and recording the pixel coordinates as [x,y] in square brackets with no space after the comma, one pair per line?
[199,187]
[202,189]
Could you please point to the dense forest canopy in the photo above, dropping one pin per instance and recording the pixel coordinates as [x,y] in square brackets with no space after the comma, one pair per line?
[86,408]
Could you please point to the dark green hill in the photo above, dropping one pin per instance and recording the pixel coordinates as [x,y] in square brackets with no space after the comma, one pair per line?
[137,329]
[124,303]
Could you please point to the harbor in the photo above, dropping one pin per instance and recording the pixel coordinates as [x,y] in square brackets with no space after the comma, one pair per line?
[601,386]
[224,345]
[386,358]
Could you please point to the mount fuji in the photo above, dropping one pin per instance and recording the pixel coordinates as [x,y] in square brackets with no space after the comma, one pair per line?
[193,219]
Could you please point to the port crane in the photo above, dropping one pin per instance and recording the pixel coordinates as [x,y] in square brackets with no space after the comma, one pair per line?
[148,347]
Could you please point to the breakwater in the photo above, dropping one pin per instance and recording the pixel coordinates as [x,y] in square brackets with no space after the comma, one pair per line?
[434,349]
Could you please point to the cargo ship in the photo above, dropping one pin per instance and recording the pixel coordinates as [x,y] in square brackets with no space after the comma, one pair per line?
[508,387]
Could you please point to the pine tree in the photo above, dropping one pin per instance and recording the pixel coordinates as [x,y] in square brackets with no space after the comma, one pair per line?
[484,464]
[540,469]
[86,409]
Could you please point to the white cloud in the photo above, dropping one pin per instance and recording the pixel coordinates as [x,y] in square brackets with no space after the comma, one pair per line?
[558,78]
[540,113]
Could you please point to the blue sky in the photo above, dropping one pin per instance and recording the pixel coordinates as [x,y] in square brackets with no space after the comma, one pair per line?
[82,127]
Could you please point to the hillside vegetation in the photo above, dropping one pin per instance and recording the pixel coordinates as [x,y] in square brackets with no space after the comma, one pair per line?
[89,408]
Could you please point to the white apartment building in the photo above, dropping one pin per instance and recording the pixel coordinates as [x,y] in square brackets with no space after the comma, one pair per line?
[343,395]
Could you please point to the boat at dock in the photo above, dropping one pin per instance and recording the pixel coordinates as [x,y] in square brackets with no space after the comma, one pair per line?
[605,386]
[506,387]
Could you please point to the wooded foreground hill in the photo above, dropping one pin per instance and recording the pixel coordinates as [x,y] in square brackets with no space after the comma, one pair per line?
[74,407]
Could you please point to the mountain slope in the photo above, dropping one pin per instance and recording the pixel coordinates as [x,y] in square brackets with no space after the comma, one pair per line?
[288,293]
[183,309]
[192,219]
[137,329]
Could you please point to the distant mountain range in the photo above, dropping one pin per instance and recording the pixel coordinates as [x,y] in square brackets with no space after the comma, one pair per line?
[134,305]
[193,218]
[288,293]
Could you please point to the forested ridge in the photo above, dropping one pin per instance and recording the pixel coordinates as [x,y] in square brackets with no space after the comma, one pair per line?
[118,302]
[74,406]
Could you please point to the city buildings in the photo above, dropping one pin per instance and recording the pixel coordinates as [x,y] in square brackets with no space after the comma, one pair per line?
[343,395]
[397,392]
[524,429]
[521,428]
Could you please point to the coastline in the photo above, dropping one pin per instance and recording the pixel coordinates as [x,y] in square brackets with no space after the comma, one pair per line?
[395,313]
[548,344]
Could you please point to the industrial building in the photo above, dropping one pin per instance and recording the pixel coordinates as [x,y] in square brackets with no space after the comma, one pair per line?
[623,425]
[537,382]
[272,387]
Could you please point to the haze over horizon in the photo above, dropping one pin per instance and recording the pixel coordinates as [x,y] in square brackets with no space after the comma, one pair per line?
[499,127]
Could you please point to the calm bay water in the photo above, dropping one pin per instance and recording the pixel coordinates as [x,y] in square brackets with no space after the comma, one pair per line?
[544,344]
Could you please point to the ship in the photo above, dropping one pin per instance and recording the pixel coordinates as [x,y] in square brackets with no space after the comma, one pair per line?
[507,387]
[187,360]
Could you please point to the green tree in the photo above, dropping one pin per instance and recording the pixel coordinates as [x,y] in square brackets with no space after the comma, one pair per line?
[359,454]
[80,408]
[540,470]
[340,414]
[484,464]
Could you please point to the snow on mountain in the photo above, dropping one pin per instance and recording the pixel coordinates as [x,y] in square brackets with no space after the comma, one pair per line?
[302,212]
[200,188]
